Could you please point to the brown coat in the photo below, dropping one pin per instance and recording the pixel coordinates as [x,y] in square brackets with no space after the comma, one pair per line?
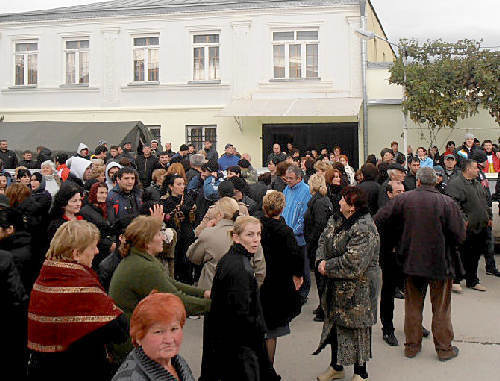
[212,244]
[430,226]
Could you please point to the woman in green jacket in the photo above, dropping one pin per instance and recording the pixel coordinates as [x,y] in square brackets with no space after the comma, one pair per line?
[140,272]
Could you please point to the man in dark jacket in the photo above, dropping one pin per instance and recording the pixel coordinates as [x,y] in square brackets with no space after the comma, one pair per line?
[410,182]
[391,271]
[28,161]
[276,156]
[145,164]
[8,157]
[450,170]
[44,154]
[471,197]
[431,225]
[396,172]
[125,198]
[195,162]
[210,151]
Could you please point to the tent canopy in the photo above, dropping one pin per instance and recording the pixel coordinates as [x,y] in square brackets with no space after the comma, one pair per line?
[65,136]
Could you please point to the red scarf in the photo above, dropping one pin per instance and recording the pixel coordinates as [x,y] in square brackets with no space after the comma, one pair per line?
[67,302]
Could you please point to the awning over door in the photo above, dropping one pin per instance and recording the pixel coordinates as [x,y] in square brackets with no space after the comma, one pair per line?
[293,107]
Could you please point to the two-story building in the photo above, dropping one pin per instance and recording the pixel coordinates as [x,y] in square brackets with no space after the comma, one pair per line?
[246,72]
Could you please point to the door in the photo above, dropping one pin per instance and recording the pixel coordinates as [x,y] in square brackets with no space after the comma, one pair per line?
[307,136]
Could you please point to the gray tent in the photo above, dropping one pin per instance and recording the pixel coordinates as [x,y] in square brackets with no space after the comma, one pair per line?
[65,136]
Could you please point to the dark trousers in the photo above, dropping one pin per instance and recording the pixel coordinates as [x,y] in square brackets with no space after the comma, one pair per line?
[442,329]
[306,286]
[474,246]
[390,280]
[489,254]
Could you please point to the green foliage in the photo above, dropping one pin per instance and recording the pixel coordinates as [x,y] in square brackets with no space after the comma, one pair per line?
[447,81]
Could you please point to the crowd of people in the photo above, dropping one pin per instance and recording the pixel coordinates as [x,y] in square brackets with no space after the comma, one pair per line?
[104,255]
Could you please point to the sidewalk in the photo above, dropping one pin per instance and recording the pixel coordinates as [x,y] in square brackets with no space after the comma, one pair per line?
[476,322]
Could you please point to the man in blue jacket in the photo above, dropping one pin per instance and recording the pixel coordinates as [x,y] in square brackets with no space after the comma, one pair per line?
[229,159]
[297,196]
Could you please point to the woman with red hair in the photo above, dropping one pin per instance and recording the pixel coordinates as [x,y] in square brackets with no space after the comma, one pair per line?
[96,211]
[156,331]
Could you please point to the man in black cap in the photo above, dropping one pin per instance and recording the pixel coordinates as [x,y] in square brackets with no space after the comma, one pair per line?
[396,172]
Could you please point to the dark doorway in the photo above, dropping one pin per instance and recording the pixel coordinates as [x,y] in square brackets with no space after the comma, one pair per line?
[306,136]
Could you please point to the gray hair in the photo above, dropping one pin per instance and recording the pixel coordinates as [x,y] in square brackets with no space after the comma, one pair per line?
[296,170]
[392,172]
[427,176]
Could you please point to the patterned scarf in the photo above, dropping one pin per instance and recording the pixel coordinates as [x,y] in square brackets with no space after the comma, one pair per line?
[67,302]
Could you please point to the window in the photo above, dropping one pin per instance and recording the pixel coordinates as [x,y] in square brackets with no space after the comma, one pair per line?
[146,59]
[198,134]
[155,131]
[77,62]
[206,57]
[26,63]
[295,54]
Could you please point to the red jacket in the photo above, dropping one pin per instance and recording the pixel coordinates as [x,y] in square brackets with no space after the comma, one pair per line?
[63,171]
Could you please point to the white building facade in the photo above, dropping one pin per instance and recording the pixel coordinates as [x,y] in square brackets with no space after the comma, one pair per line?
[246,73]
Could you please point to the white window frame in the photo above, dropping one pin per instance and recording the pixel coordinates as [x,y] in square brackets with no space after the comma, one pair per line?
[206,62]
[25,58]
[303,52]
[77,60]
[146,57]
[190,127]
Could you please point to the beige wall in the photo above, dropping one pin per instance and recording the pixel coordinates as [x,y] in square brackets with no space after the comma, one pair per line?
[378,50]
[385,124]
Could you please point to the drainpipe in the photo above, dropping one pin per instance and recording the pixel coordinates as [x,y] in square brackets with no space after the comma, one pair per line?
[364,64]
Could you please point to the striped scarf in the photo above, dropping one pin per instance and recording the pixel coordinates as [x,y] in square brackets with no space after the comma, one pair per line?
[67,303]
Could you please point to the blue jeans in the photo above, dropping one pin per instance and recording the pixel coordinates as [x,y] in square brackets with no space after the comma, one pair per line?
[306,286]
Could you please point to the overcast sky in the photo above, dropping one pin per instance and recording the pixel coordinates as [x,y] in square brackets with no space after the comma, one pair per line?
[450,20]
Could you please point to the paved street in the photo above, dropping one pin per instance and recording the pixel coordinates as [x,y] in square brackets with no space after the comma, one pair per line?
[476,321]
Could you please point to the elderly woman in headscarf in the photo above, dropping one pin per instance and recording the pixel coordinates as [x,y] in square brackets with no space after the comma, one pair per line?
[156,330]
[52,180]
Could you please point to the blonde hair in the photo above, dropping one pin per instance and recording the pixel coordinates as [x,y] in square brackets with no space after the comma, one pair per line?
[322,166]
[158,174]
[70,236]
[273,204]
[97,170]
[227,207]
[177,169]
[317,183]
[242,222]
[139,233]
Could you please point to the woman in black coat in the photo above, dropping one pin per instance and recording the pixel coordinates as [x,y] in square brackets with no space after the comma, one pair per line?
[370,186]
[236,323]
[335,183]
[96,211]
[179,209]
[284,271]
[15,304]
[319,210]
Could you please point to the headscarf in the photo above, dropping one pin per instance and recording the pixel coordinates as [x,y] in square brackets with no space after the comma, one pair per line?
[93,198]
[67,303]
